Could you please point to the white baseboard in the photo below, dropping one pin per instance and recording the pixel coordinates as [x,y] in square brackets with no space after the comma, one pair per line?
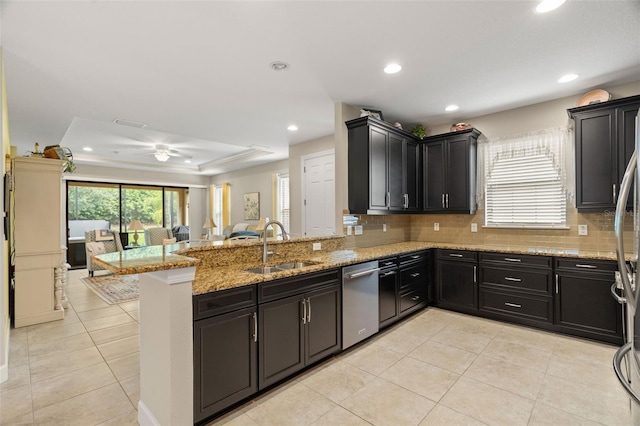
[145,416]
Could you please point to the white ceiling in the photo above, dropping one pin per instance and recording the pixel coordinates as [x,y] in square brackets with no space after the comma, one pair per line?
[198,75]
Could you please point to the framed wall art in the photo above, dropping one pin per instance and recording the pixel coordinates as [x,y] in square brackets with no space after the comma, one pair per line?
[252,206]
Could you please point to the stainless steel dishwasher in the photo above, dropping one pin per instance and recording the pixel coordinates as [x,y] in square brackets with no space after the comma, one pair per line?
[359,302]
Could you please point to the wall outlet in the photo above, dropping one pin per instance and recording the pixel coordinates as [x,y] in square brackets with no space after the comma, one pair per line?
[474,227]
[358,229]
[436,226]
[349,230]
[384,227]
[583,230]
[317,246]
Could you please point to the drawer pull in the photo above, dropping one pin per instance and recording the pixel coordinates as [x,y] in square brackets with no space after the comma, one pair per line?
[512,259]
[414,298]
[386,274]
[387,264]
[515,280]
[417,274]
[417,256]
[513,305]
[582,265]
[455,255]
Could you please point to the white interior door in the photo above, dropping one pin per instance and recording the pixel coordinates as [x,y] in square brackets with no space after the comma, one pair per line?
[319,193]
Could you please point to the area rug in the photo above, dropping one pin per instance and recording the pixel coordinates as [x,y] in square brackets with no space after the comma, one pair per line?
[113,288]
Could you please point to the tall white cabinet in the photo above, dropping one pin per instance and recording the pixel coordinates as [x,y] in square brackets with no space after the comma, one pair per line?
[37,233]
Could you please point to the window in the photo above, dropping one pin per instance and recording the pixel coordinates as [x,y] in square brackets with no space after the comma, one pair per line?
[525,184]
[217,209]
[282,200]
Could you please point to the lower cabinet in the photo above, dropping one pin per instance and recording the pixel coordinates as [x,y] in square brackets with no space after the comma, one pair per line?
[225,350]
[584,305]
[457,280]
[299,329]
[388,290]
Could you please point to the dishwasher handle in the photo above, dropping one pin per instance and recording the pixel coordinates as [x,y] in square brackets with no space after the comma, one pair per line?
[353,275]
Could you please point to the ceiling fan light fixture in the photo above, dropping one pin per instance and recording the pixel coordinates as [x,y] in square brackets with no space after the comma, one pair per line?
[161,155]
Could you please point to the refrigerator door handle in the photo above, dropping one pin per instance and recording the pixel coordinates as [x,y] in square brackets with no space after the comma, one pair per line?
[621,300]
[617,361]
[621,208]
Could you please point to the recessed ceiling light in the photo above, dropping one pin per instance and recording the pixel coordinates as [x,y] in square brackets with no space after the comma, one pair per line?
[87,148]
[187,161]
[279,66]
[549,5]
[568,77]
[392,68]
[451,108]
[292,128]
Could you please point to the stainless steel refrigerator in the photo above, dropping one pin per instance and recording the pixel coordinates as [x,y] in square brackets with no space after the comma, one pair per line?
[626,361]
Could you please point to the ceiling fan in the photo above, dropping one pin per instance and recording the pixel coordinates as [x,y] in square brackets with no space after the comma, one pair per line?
[163,153]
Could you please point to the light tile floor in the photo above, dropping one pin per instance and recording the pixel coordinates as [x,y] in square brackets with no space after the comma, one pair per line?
[437,368]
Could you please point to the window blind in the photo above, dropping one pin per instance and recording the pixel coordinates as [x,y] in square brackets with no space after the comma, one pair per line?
[283,200]
[524,188]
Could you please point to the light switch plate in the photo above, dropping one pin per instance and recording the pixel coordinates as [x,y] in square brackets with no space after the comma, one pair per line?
[384,227]
[317,246]
[358,229]
[436,226]
[349,230]
[583,230]
[474,227]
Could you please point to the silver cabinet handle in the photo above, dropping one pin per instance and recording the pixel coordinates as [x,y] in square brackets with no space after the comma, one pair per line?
[304,311]
[455,255]
[309,312]
[475,274]
[386,274]
[557,278]
[512,259]
[447,200]
[362,273]
[443,201]
[415,256]
[406,200]
[513,305]
[255,327]
[614,194]
[387,199]
[515,280]
[582,265]
[417,274]
[414,298]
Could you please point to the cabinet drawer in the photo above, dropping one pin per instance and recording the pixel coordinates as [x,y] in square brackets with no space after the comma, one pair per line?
[413,274]
[419,256]
[471,256]
[220,302]
[272,290]
[416,296]
[517,259]
[586,265]
[519,278]
[389,262]
[538,308]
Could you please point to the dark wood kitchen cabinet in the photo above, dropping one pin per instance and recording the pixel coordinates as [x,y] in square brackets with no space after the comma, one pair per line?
[457,280]
[449,172]
[584,305]
[516,288]
[224,349]
[384,168]
[605,138]
[300,323]
[414,282]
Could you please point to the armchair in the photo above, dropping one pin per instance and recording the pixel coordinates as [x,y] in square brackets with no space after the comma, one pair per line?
[155,236]
[91,249]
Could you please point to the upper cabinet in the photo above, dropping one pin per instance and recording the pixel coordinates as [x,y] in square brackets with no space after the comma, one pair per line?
[604,144]
[384,168]
[449,170]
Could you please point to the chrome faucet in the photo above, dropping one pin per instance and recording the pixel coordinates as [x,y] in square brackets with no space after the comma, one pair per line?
[285,236]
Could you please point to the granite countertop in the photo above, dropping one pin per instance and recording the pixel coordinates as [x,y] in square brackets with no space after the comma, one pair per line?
[209,279]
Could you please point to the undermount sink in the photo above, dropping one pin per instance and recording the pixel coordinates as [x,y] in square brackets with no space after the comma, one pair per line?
[280,267]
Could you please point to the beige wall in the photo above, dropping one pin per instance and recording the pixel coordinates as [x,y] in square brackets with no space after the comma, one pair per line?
[296,152]
[254,179]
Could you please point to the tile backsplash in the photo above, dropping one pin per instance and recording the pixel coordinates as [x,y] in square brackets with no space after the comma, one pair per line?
[456,228]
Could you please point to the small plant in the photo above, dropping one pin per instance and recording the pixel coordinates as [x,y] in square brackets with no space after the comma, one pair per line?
[418,131]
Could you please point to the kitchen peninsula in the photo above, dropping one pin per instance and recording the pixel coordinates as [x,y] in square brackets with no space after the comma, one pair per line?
[173,278]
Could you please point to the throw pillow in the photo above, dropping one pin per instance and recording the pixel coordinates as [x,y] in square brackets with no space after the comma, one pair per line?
[95,248]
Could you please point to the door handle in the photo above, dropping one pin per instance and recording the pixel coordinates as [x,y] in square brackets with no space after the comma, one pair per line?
[447,200]
[443,200]
[304,311]
[309,312]
[406,201]
[475,274]
[255,327]
[557,283]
